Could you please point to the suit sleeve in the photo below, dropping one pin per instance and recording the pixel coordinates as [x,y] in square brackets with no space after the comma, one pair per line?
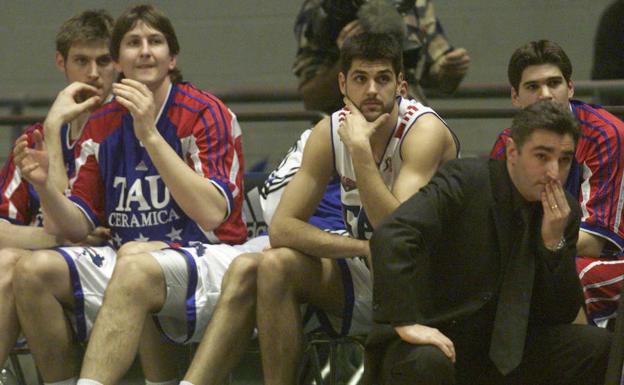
[402,248]
[560,288]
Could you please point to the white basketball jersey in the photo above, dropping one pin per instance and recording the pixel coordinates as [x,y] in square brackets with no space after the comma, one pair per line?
[353,214]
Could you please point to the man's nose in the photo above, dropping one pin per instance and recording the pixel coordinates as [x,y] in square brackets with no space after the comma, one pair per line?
[545,93]
[371,88]
[552,169]
[93,70]
[145,48]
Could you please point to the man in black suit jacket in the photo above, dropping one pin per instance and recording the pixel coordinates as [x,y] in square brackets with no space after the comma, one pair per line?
[442,259]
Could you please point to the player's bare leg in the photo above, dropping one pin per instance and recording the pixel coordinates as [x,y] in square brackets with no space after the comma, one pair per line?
[286,279]
[231,326]
[8,313]
[42,289]
[159,357]
[136,289]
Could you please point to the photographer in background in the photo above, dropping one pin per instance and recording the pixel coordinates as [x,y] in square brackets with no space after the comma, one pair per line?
[323,25]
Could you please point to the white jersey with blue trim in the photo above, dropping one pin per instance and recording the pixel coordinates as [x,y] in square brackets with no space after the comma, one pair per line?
[353,213]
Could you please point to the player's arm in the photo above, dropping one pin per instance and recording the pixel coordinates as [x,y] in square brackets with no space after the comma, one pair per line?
[426,146]
[589,245]
[423,151]
[602,193]
[25,237]
[301,197]
[62,217]
[196,195]
[73,100]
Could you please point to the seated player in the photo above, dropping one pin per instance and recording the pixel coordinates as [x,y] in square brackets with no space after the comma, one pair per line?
[160,163]
[383,148]
[542,70]
[82,54]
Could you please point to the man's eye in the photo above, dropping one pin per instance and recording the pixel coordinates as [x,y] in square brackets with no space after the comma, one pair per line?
[554,83]
[104,61]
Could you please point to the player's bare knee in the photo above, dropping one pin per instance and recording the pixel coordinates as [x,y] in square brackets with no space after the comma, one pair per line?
[137,276]
[277,268]
[240,278]
[130,248]
[33,271]
[8,260]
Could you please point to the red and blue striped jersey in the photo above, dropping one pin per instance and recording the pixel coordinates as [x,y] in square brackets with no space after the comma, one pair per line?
[596,175]
[117,185]
[19,203]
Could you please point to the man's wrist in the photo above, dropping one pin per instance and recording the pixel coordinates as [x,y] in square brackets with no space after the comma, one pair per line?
[556,246]
[53,123]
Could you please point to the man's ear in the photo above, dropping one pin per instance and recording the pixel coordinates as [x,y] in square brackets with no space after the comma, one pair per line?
[342,83]
[173,62]
[401,86]
[570,89]
[59,61]
[515,98]
[511,150]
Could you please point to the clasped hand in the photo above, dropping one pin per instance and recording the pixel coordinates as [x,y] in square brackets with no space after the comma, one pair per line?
[32,162]
[73,100]
[139,100]
[556,213]
[354,130]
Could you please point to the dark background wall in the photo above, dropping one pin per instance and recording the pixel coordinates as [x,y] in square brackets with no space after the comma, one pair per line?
[244,43]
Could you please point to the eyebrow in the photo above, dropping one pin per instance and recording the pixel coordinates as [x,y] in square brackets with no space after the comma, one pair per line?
[551,150]
[362,72]
[134,35]
[529,82]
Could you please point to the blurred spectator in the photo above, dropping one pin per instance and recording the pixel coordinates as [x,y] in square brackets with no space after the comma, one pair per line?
[609,50]
[323,25]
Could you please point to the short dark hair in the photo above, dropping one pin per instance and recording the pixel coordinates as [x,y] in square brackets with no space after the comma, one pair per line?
[370,47]
[544,115]
[87,27]
[536,53]
[156,19]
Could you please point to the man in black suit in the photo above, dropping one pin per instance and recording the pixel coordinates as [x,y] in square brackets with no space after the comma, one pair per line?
[476,274]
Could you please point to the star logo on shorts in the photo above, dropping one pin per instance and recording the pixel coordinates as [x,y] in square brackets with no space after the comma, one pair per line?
[174,234]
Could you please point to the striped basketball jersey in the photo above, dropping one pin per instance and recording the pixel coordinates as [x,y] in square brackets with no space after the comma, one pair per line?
[353,213]
[596,175]
[117,185]
[19,203]
[327,215]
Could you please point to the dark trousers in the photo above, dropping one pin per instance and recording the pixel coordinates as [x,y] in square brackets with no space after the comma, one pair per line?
[561,354]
